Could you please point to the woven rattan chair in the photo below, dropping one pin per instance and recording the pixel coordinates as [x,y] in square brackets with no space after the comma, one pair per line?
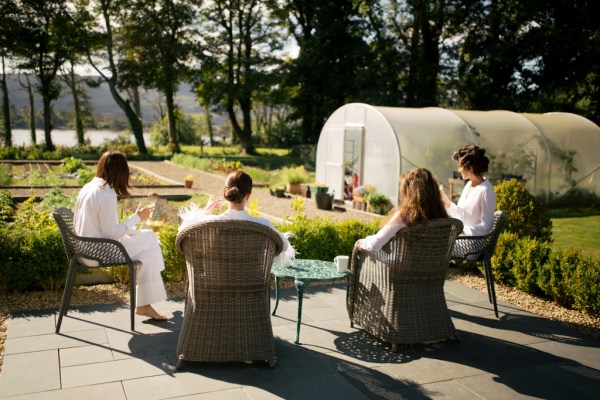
[227,306]
[481,249]
[101,252]
[397,293]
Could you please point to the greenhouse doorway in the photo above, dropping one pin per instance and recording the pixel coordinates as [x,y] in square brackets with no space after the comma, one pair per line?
[353,158]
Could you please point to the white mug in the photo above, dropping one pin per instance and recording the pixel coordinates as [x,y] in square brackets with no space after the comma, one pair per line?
[341,263]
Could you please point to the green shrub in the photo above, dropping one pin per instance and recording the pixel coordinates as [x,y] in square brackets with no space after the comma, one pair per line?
[503,261]
[71,165]
[322,238]
[7,206]
[526,215]
[84,175]
[530,256]
[175,267]
[294,175]
[555,275]
[32,258]
[584,286]
[378,201]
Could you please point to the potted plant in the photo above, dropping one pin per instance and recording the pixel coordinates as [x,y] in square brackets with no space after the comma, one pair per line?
[318,188]
[324,200]
[359,193]
[379,202]
[189,181]
[277,191]
[294,176]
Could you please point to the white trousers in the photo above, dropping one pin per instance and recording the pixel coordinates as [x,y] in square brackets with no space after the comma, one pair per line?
[143,246]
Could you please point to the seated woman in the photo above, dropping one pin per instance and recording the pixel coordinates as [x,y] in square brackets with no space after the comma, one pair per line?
[237,192]
[96,216]
[420,202]
[477,202]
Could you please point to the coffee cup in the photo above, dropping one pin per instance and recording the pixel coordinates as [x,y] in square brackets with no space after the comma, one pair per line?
[341,263]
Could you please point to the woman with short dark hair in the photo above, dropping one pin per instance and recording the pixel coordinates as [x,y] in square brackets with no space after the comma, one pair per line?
[96,216]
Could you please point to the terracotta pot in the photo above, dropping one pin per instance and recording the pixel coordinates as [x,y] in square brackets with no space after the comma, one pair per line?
[188,184]
[294,188]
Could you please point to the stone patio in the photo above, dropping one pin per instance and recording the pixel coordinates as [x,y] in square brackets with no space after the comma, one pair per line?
[96,356]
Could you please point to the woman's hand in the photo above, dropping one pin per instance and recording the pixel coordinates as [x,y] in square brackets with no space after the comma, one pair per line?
[144,211]
[358,245]
[213,205]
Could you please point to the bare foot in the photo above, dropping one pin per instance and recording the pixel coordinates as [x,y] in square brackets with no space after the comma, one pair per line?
[148,311]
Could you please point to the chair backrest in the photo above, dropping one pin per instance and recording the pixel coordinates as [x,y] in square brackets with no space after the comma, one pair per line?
[419,254]
[64,219]
[229,253]
[100,252]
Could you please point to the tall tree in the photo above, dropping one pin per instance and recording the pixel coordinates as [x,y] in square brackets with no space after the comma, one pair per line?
[7,138]
[238,53]
[81,107]
[46,32]
[334,61]
[159,37]
[104,52]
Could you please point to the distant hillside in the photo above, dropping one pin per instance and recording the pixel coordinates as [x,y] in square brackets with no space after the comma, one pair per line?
[103,103]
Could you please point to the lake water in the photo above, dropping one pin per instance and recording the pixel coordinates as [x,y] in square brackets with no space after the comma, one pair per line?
[67,138]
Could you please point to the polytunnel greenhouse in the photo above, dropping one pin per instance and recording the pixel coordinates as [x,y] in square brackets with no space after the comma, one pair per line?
[553,154]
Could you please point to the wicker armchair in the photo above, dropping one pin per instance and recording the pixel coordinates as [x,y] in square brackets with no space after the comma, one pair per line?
[397,293]
[101,252]
[226,315]
[481,249]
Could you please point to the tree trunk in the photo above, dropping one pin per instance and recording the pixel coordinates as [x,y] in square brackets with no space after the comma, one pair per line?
[134,121]
[49,146]
[71,81]
[31,113]
[6,108]
[209,125]
[246,132]
[172,126]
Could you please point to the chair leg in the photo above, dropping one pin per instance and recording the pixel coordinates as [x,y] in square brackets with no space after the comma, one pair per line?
[132,275]
[66,299]
[492,290]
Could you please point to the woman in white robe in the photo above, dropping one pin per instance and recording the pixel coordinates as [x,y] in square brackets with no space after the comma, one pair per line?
[96,216]
[237,192]
[477,202]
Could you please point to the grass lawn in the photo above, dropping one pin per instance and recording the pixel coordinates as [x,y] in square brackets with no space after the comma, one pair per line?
[583,232]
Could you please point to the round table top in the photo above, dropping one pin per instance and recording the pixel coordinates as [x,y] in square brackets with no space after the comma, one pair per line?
[312,270]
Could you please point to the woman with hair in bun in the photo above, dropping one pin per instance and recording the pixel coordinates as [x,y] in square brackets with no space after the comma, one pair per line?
[477,202]
[237,192]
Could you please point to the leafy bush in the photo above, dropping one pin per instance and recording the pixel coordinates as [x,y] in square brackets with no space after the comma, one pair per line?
[379,202]
[32,251]
[175,267]
[7,205]
[555,275]
[503,261]
[71,165]
[84,175]
[526,214]
[530,255]
[322,238]
[294,175]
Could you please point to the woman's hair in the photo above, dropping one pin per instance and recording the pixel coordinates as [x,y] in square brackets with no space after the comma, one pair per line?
[113,168]
[421,199]
[472,157]
[237,186]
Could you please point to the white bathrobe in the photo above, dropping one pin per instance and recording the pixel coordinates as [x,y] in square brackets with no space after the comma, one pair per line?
[475,208]
[193,214]
[96,216]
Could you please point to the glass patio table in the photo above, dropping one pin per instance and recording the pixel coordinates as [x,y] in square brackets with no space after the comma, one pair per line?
[303,272]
